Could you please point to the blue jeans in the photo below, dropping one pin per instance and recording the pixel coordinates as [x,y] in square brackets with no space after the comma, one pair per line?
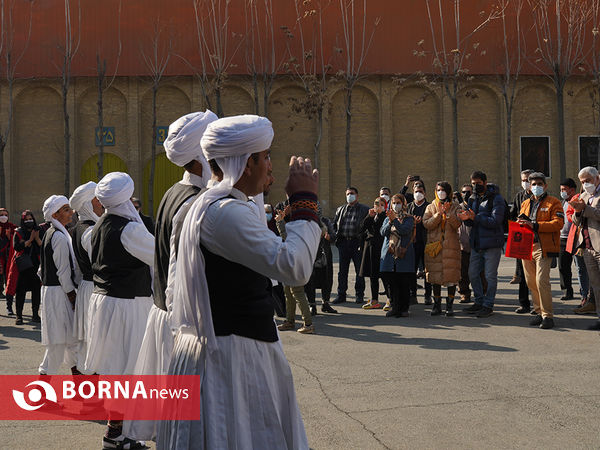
[584,282]
[487,261]
[349,252]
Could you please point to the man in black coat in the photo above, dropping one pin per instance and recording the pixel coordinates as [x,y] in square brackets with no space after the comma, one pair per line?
[148,222]
[349,241]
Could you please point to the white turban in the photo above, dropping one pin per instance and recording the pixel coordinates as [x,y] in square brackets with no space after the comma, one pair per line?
[51,206]
[114,191]
[183,141]
[81,201]
[230,141]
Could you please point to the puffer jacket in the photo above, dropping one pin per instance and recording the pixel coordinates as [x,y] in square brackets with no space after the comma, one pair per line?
[444,268]
[488,225]
[548,222]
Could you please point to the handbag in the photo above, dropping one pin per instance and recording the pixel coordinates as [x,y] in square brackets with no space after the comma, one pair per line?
[24,262]
[394,247]
[321,259]
[433,249]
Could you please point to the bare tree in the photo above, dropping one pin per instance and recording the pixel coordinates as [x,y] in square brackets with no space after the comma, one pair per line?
[69,50]
[451,53]
[509,71]
[310,66]
[103,85]
[560,28]
[11,58]
[156,61]
[595,65]
[355,47]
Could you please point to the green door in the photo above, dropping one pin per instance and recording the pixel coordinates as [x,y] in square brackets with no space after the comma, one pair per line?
[166,174]
[111,163]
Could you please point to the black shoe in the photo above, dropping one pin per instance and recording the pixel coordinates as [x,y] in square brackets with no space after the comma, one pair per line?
[532,312]
[313,310]
[122,442]
[475,307]
[10,311]
[328,309]
[536,321]
[567,296]
[465,299]
[449,307]
[19,321]
[523,310]
[595,327]
[359,300]
[485,312]
[428,300]
[36,319]
[437,307]
[420,287]
[547,323]
[339,300]
[413,300]
[391,313]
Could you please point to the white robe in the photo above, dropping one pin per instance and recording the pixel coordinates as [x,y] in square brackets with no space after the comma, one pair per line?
[116,325]
[247,395]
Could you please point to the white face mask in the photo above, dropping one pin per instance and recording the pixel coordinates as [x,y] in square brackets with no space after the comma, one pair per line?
[397,208]
[442,195]
[564,195]
[269,216]
[386,197]
[537,190]
[419,196]
[525,185]
[3,219]
[350,198]
[589,187]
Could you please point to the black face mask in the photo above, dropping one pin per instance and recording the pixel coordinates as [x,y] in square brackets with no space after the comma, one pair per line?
[479,188]
[28,223]
[466,196]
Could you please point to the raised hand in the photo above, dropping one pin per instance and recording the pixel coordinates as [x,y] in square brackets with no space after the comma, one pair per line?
[302,177]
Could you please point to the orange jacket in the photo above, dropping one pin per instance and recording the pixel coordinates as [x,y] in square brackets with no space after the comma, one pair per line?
[548,223]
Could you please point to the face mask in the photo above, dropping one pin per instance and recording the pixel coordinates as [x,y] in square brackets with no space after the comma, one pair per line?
[350,198]
[537,190]
[269,216]
[419,196]
[386,197]
[442,195]
[28,223]
[564,195]
[397,208]
[525,185]
[589,188]
[479,188]
[466,196]
[3,219]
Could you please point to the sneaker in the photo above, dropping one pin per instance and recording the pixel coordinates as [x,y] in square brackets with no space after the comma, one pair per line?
[567,296]
[533,313]
[10,311]
[523,310]
[307,329]
[485,312]
[359,300]
[547,323]
[464,299]
[536,321]
[122,442]
[313,310]
[338,300]
[36,319]
[328,309]
[286,326]
[19,321]
[372,305]
[387,306]
[475,307]
[515,280]
[588,308]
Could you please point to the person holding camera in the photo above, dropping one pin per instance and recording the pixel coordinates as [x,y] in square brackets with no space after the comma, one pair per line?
[369,267]
[442,252]
[397,263]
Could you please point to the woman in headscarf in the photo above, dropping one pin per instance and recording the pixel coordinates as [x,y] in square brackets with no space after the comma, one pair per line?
[7,231]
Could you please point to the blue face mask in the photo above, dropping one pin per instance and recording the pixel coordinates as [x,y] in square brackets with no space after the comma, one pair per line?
[269,216]
[537,190]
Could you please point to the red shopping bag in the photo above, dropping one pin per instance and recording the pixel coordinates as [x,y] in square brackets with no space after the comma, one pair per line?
[520,241]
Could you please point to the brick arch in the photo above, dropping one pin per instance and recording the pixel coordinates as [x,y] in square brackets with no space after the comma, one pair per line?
[236,100]
[115,115]
[295,134]
[480,133]
[37,147]
[416,109]
[364,146]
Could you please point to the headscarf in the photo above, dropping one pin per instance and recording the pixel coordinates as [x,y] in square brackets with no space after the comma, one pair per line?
[25,213]
[183,141]
[51,206]
[230,141]
[81,201]
[114,191]
[7,224]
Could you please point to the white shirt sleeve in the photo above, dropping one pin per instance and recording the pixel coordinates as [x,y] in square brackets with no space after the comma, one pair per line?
[232,229]
[138,242]
[86,241]
[60,255]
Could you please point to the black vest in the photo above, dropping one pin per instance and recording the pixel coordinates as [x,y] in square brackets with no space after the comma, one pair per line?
[49,270]
[240,299]
[116,272]
[83,259]
[169,205]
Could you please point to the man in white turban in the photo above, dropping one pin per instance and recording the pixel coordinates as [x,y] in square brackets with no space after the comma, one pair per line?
[182,147]
[60,275]
[122,258]
[222,307]
[89,210]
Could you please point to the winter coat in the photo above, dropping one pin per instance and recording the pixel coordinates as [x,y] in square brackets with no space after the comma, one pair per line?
[487,228]
[444,268]
[388,262]
[371,254]
[20,236]
[549,221]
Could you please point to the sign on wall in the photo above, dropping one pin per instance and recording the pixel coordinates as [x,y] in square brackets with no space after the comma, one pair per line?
[161,135]
[106,137]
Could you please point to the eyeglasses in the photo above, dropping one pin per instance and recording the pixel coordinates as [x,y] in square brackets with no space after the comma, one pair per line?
[466,192]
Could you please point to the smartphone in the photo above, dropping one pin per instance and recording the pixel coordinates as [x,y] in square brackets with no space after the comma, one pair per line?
[415,178]
[524,217]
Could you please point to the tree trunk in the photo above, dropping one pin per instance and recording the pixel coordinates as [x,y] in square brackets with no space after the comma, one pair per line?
[255,91]
[348,126]
[101,72]
[319,137]
[218,100]
[152,154]
[509,179]
[3,141]
[203,83]
[67,134]
[560,107]
[267,83]
[454,101]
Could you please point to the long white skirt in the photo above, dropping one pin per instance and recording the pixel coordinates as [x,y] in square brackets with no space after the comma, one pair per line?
[116,332]
[153,359]
[84,292]
[247,397]
[57,316]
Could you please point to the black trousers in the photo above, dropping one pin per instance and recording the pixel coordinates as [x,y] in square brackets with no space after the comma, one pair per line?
[565,261]
[311,292]
[419,264]
[28,281]
[349,252]
[399,284]
[463,284]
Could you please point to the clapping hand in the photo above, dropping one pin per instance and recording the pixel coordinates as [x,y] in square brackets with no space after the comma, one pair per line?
[391,214]
[577,204]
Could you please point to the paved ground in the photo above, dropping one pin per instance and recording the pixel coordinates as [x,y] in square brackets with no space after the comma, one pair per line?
[369,382]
